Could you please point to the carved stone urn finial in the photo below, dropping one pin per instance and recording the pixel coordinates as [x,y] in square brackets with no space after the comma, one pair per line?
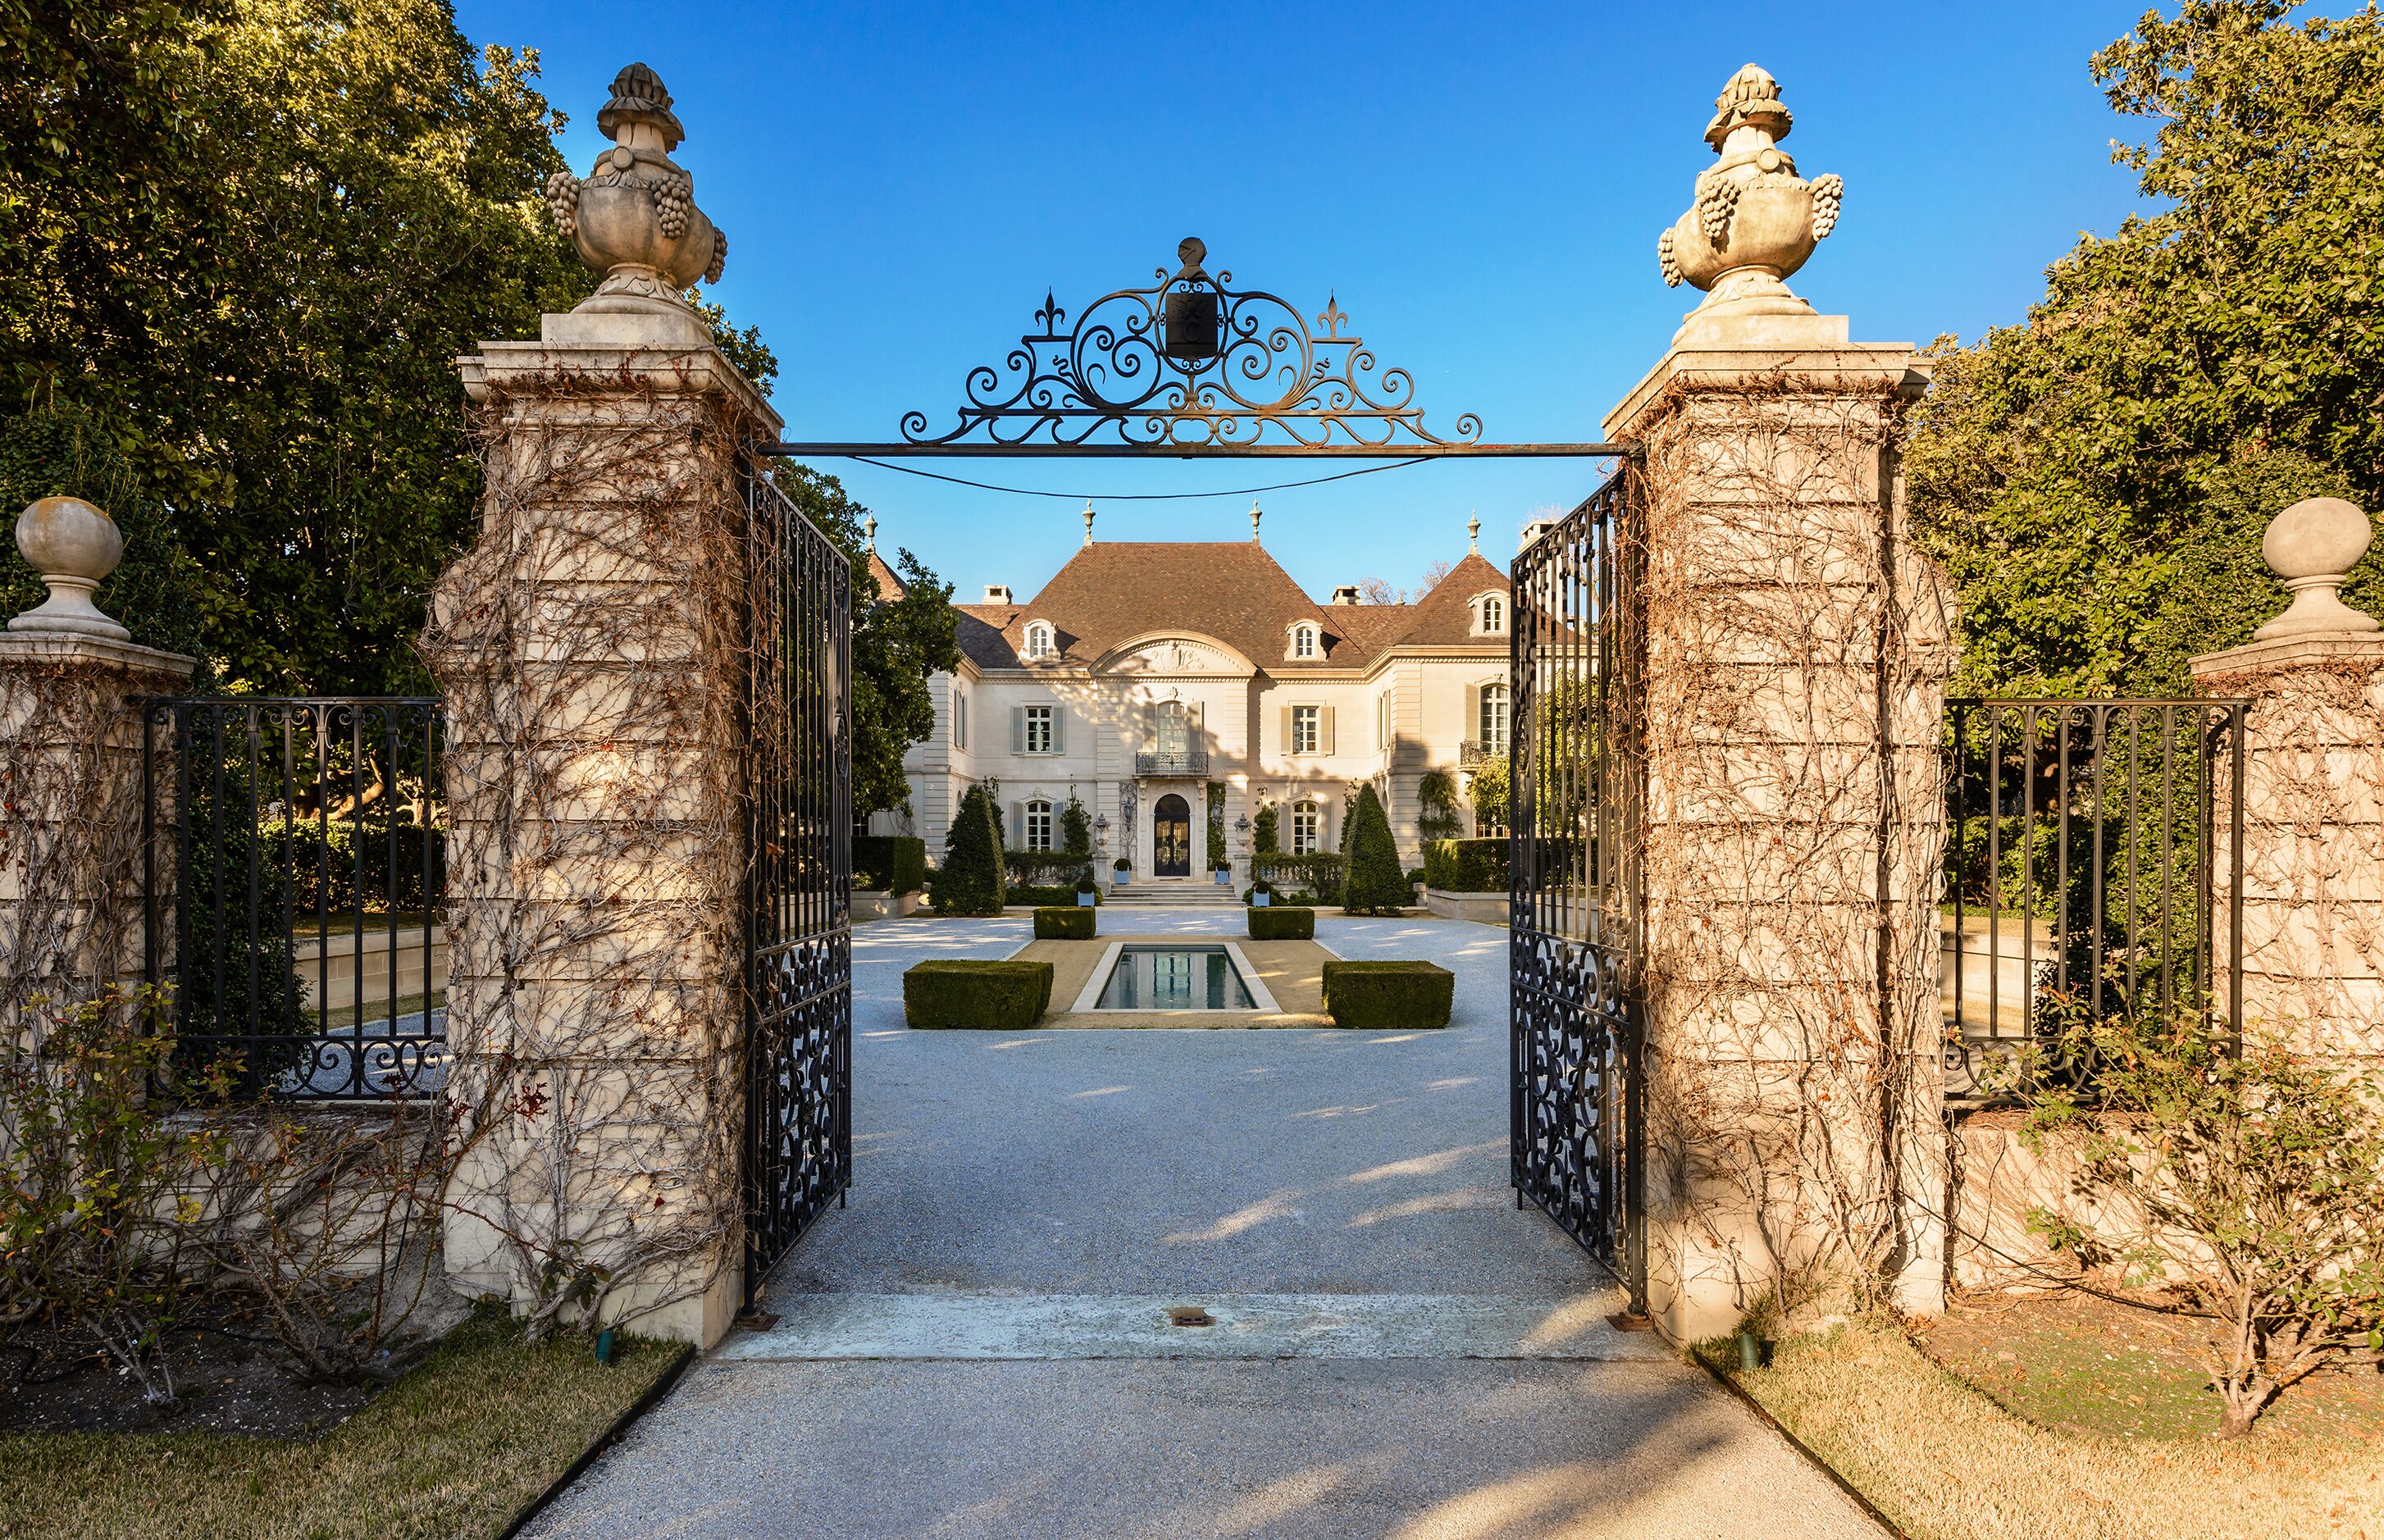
[2313,546]
[74,545]
[1753,220]
[633,219]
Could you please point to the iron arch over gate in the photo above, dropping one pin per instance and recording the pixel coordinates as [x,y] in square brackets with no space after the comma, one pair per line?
[798,1145]
[1192,367]
[1577,774]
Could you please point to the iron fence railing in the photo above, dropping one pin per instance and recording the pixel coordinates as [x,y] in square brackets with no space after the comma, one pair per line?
[1172,762]
[2090,873]
[295,875]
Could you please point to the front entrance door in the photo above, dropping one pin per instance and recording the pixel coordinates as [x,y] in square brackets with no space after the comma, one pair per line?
[1171,837]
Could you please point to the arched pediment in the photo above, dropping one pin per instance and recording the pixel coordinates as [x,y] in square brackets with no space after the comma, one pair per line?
[1173,652]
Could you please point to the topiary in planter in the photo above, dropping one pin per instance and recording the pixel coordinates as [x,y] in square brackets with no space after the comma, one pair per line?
[1282,924]
[1389,996]
[1070,924]
[975,993]
[1375,884]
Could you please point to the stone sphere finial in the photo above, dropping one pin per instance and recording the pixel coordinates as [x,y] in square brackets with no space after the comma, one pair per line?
[74,545]
[2313,546]
[1753,220]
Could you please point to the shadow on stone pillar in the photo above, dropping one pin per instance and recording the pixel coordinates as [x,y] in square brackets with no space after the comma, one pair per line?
[591,647]
[1797,649]
[2311,861]
[73,906]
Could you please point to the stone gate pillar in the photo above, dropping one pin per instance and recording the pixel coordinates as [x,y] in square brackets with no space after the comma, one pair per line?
[73,910]
[591,647]
[2311,861]
[1796,650]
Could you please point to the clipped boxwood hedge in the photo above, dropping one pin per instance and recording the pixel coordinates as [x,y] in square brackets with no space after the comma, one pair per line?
[890,862]
[1282,924]
[1389,996]
[1070,923]
[983,994]
[1465,865]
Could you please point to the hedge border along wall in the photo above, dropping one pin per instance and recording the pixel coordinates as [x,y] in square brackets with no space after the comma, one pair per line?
[1069,923]
[1399,997]
[1465,865]
[890,862]
[1051,898]
[976,994]
[1282,924]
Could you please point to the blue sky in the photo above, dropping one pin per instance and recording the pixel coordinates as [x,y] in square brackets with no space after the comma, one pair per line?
[1481,187]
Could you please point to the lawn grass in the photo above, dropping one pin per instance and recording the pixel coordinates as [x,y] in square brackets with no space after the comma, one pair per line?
[451,1450]
[1945,1462]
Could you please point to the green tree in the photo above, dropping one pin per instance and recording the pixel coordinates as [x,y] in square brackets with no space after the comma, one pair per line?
[1075,826]
[1266,830]
[1437,800]
[970,879]
[2183,378]
[897,644]
[1374,884]
[1486,784]
[261,231]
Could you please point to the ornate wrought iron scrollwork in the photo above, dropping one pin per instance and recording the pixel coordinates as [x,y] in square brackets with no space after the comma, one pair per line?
[1118,376]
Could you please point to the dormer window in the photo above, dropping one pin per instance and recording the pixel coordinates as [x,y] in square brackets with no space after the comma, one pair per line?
[1039,639]
[1490,612]
[1303,641]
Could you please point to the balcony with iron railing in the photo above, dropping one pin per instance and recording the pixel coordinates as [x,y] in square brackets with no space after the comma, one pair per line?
[1172,762]
[1473,752]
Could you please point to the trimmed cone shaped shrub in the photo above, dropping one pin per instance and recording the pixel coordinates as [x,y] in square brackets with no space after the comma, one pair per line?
[1282,924]
[1399,997]
[975,993]
[1376,884]
[1070,923]
[970,882]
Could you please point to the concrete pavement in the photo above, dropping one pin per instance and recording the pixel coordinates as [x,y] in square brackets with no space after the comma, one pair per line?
[979,1345]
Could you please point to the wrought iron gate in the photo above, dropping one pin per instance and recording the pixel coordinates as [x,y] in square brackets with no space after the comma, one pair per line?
[798,1149]
[1577,779]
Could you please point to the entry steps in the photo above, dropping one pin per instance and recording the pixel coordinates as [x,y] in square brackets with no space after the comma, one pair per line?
[1174,895]
[940,1323]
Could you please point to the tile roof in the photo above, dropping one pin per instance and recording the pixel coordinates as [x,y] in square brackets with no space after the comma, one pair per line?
[889,587]
[1113,591]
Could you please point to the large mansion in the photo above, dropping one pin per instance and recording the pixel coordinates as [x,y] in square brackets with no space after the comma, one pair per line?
[1143,673]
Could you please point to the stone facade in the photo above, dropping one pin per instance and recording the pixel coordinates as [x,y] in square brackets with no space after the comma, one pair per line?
[74,908]
[2311,859]
[1210,636]
[1797,655]
[590,648]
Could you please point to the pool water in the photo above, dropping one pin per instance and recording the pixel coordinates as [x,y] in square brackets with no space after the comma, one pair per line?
[1175,978]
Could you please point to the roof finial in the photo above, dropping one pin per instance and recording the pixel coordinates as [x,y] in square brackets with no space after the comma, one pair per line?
[869,528]
[1089,521]
[1254,521]
[1474,533]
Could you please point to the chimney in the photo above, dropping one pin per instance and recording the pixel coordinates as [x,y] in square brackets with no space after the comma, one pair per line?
[997,593]
[1531,533]
[1345,594]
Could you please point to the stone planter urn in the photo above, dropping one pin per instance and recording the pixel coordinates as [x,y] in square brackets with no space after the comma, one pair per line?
[633,217]
[1753,220]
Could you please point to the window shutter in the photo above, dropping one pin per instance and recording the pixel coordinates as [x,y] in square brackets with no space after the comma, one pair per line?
[1324,729]
[1059,729]
[1288,746]
[1192,727]
[1473,714]
[1018,729]
[1018,826]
